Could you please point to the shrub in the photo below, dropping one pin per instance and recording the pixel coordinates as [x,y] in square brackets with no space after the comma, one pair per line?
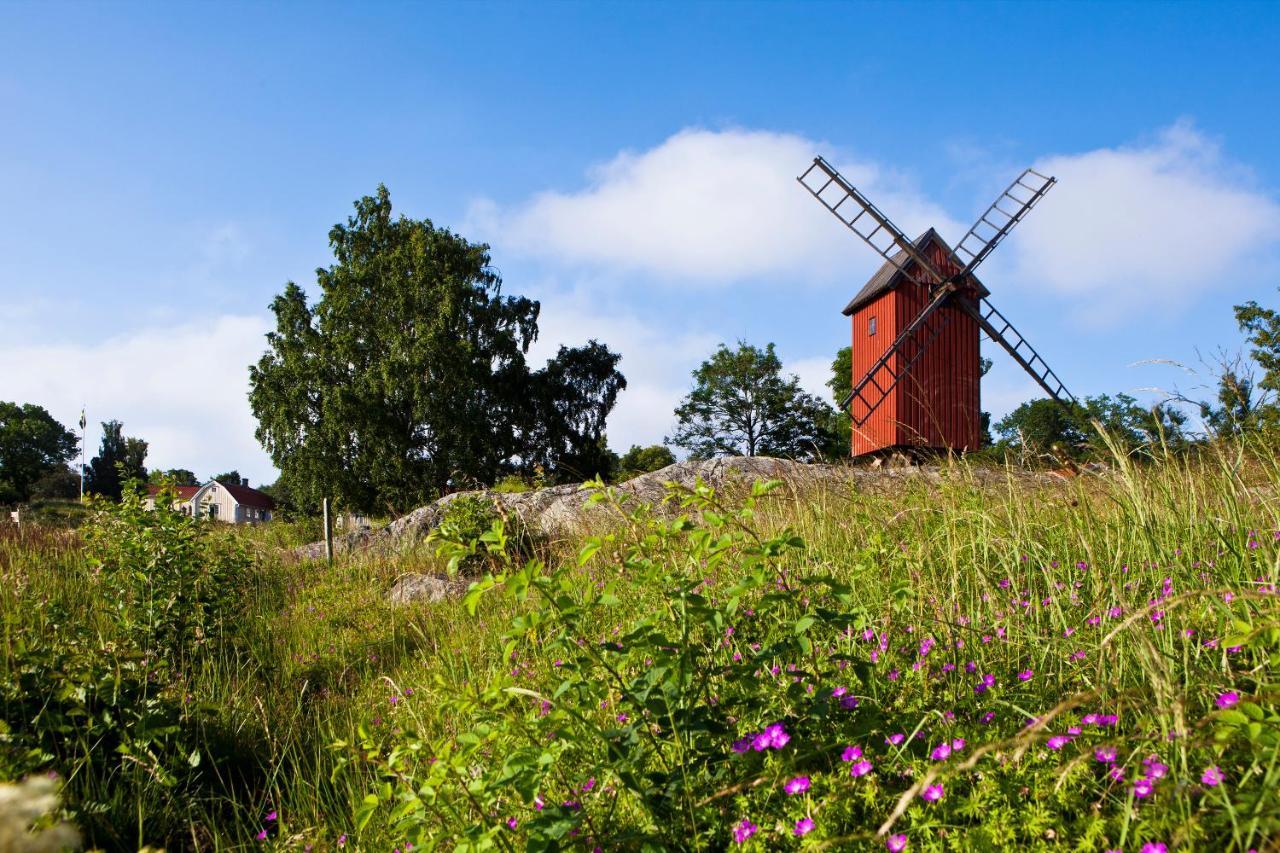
[756,701]
[462,535]
[170,583]
[99,694]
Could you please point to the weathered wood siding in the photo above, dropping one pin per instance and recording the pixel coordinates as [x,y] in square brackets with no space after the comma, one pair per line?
[881,429]
[937,404]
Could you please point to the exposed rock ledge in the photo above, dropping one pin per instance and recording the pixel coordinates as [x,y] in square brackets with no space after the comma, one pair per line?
[557,510]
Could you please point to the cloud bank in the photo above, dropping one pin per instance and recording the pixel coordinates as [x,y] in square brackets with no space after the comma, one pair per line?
[1156,224]
[708,207]
[182,388]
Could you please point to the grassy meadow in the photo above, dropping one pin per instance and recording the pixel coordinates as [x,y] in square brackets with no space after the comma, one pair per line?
[986,663]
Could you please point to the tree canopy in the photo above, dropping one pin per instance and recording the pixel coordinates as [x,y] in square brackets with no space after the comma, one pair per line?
[408,377]
[176,476]
[642,460]
[120,458]
[32,446]
[743,405]
[1043,426]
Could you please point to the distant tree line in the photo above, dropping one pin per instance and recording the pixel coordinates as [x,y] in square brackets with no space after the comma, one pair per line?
[743,404]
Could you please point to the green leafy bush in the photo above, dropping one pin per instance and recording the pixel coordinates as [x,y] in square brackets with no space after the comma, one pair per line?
[100,694]
[464,528]
[758,703]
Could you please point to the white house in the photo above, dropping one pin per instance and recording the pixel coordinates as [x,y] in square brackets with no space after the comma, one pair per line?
[233,503]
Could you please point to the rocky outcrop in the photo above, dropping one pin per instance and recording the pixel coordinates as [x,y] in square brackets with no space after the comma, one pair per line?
[559,510]
[420,587]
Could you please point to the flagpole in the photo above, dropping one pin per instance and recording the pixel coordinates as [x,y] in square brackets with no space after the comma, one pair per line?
[82,438]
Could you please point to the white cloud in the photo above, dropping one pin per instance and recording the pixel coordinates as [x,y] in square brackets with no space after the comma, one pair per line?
[707,206]
[1145,225]
[813,374]
[182,388]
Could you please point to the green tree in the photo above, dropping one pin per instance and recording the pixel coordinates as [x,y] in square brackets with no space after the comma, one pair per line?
[642,460]
[566,404]
[839,425]
[408,376]
[176,476]
[1262,325]
[120,458]
[1043,426]
[741,404]
[32,445]
[62,483]
[1241,405]
[233,477]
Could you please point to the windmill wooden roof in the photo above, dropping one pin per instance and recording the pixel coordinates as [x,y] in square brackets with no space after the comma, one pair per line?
[890,276]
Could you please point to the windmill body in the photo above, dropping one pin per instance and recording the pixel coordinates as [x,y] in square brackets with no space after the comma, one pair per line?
[918,322]
[937,404]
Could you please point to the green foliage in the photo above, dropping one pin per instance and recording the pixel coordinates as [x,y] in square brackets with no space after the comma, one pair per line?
[1147,594]
[742,405]
[169,586]
[565,405]
[233,477]
[120,458]
[409,375]
[1044,427]
[32,446]
[101,700]
[760,699]
[463,534]
[1262,325]
[643,460]
[174,476]
[62,483]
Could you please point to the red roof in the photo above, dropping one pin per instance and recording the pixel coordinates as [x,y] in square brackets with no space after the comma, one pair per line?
[246,496]
[185,493]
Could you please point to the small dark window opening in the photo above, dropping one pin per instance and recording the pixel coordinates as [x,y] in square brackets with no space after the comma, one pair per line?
[871,326]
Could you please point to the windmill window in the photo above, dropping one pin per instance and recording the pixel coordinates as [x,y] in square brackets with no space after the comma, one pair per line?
[871,326]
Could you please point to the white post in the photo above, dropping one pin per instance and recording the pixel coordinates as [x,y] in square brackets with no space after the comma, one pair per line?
[328,533]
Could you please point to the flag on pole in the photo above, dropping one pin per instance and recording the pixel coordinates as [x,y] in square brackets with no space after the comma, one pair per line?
[82,420]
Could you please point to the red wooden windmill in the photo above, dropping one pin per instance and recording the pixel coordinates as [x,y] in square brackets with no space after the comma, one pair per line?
[916,322]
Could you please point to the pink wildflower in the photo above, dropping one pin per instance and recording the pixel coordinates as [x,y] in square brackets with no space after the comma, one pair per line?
[798,785]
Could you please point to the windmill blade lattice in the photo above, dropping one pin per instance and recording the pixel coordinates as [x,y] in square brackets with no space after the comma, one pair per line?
[865,219]
[999,219]
[1000,330]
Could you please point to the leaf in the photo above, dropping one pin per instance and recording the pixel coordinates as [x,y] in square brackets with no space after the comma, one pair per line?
[588,551]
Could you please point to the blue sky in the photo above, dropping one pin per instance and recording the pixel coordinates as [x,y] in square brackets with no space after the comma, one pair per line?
[166,169]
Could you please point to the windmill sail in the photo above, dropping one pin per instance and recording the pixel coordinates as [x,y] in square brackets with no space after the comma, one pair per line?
[865,219]
[999,219]
[1000,330]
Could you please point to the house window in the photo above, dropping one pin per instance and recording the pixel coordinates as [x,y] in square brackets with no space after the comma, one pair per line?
[871,326]
[213,510]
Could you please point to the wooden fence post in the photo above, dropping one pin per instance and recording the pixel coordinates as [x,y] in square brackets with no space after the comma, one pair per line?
[328,533]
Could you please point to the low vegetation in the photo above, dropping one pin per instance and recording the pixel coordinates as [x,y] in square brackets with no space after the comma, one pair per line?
[1085,664]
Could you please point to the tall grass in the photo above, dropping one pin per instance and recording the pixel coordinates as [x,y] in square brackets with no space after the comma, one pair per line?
[1002,566]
